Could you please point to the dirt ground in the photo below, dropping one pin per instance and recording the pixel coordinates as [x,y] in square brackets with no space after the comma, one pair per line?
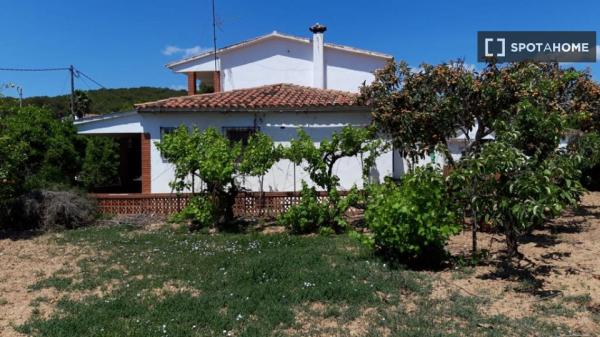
[562,261]
[25,261]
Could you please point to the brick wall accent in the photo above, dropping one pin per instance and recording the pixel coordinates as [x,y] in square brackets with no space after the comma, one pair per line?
[191,83]
[146,163]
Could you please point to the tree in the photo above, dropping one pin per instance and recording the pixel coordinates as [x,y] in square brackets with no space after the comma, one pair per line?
[320,161]
[587,146]
[504,186]
[36,151]
[502,180]
[209,156]
[420,110]
[217,162]
[82,103]
[100,165]
[51,148]
[348,142]
[259,155]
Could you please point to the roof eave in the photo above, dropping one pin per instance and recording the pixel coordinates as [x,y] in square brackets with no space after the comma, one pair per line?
[111,115]
[328,108]
[241,44]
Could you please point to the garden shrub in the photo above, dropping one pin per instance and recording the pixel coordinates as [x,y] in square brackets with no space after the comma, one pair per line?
[52,210]
[588,147]
[411,219]
[312,215]
[308,215]
[199,212]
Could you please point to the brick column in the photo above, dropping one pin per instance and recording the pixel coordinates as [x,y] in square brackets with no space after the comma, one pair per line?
[146,163]
[217,81]
[191,83]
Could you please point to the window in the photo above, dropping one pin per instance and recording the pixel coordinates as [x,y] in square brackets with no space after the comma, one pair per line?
[165,131]
[239,134]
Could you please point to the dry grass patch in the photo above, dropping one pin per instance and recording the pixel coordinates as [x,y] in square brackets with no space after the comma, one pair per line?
[25,262]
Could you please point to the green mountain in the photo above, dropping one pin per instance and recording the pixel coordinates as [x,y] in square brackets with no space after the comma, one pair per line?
[103,101]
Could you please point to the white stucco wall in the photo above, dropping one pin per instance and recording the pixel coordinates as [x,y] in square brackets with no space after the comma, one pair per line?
[279,60]
[281,127]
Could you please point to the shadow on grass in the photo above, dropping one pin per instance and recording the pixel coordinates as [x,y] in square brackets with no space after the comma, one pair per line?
[16,235]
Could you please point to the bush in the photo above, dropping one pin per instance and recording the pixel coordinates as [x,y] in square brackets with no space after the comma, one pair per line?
[588,147]
[199,211]
[307,216]
[411,219]
[52,210]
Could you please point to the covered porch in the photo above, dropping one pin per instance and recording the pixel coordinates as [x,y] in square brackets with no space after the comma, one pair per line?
[133,149]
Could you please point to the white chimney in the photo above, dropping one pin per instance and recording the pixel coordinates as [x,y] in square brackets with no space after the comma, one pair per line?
[318,55]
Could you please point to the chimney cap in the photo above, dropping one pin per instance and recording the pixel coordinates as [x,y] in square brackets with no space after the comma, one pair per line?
[317,28]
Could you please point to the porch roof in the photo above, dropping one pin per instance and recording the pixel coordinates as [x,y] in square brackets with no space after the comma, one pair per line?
[269,97]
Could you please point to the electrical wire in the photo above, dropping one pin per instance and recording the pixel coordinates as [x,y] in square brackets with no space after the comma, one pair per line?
[89,78]
[33,69]
[76,72]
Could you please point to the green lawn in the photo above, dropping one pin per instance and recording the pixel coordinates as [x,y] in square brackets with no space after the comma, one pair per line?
[253,285]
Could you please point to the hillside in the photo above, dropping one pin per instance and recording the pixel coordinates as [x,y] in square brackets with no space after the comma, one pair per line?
[104,100]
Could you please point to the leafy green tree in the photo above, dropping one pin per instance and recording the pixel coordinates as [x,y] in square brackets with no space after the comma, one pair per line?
[100,165]
[217,162]
[259,155]
[36,151]
[420,110]
[82,103]
[504,186]
[587,146]
[51,146]
[320,161]
[12,166]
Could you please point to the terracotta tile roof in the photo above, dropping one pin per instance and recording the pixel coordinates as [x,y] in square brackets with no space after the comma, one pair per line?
[276,96]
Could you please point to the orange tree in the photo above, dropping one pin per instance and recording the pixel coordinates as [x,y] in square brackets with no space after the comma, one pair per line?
[513,118]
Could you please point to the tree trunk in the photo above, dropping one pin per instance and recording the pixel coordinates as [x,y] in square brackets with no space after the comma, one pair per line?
[512,243]
[475,220]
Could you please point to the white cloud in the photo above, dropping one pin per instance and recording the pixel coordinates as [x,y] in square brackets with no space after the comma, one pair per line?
[186,52]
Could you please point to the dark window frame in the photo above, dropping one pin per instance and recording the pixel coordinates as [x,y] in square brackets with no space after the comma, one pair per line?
[249,130]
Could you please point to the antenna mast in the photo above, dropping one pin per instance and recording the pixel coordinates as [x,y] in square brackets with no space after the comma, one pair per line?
[214,24]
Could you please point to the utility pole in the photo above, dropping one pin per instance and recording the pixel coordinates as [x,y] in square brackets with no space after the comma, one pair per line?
[72,73]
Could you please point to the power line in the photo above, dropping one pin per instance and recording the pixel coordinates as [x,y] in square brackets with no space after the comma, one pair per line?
[33,69]
[73,72]
[79,72]
[76,72]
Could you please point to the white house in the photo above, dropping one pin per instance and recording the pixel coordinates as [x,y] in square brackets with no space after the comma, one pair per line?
[274,83]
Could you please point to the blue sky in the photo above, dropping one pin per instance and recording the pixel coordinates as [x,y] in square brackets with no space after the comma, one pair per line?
[125,43]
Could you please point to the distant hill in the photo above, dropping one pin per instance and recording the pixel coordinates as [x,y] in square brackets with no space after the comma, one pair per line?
[104,100]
